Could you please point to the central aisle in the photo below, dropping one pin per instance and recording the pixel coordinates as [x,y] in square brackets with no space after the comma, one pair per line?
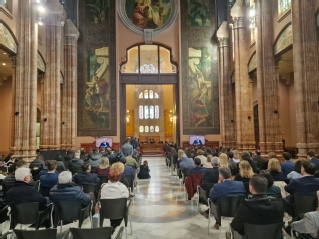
[159,209]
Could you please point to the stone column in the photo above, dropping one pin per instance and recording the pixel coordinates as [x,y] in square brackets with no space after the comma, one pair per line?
[243,86]
[306,74]
[25,83]
[267,82]
[51,115]
[226,98]
[69,87]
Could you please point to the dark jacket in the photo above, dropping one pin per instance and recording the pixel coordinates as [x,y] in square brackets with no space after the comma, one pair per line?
[259,210]
[37,163]
[95,160]
[23,192]
[69,192]
[102,172]
[144,172]
[85,178]
[308,185]
[49,180]
[278,176]
[211,175]
[287,167]
[315,162]
[129,170]
[8,182]
[113,158]
[253,165]
[259,161]
[228,188]
[191,184]
[196,169]
[76,163]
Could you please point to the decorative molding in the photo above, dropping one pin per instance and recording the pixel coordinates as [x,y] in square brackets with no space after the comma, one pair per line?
[41,64]
[284,40]
[55,20]
[148,36]
[223,41]
[5,11]
[252,65]
[71,40]
[6,39]
[14,61]
[238,22]
[129,24]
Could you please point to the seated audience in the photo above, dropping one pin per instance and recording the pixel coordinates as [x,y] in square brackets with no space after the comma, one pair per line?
[307,185]
[259,160]
[308,226]
[49,179]
[95,158]
[76,162]
[114,189]
[201,156]
[261,209]
[233,163]
[130,161]
[246,157]
[287,166]
[275,170]
[104,168]
[197,168]
[224,160]
[297,171]
[45,170]
[59,163]
[311,156]
[86,177]
[127,169]
[66,190]
[208,163]
[225,188]
[186,163]
[144,171]
[36,166]
[245,172]
[272,190]
[23,191]
[211,174]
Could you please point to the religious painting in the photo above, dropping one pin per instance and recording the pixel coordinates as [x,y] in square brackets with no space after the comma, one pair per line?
[96,11]
[199,86]
[97,90]
[148,14]
[199,12]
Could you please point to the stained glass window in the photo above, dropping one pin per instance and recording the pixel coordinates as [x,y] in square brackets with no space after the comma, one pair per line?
[151,94]
[146,129]
[156,112]
[145,94]
[284,6]
[140,96]
[141,129]
[156,95]
[151,112]
[148,68]
[141,115]
[146,112]
[152,128]
[156,129]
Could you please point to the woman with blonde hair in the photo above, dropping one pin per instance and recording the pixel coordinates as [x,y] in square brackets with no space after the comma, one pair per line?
[224,160]
[104,168]
[201,156]
[275,169]
[208,162]
[245,172]
[118,166]
[236,156]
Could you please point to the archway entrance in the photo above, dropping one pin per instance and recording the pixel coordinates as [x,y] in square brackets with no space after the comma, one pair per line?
[145,77]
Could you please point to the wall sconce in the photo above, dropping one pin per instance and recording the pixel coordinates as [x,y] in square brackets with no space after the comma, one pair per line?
[232,121]
[63,122]
[45,119]
[276,111]
[249,118]
[16,113]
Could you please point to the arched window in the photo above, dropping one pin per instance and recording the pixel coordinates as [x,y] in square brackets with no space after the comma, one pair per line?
[147,69]
[141,129]
[284,6]
[146,129]
[151,94]
[156,129]
[141,113]
[145,94]
[146,112]
[156,112]
[151,112]
[140,96]
[152,129]
[156,96]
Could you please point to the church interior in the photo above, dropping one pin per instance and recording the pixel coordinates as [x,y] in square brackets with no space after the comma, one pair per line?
[237,75]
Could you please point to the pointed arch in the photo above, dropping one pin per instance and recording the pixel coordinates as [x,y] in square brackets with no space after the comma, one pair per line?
[8,41]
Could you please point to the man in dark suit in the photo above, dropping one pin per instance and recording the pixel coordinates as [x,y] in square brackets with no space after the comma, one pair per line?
[104,144]
[311,156]
[307,185]
[211,174]
[287,166]
[259,210]
[86,177]
[259,160]
[197,142]
[225,188]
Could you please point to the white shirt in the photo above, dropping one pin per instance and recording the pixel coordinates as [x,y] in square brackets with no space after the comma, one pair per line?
[115,190]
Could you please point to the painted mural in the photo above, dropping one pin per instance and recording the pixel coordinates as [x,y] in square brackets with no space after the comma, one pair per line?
[148,14]
[97,95]
[96,11]
[200,86]
[199,12]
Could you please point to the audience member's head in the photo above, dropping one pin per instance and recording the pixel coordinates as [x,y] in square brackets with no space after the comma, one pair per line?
[197,161]
[258,184]
[77,155]
[183,156]
[105,162]
[86,167]
[114,175]
[236,154]
[145,163]
[245,170]
[51,165]
[65,177]
[39,157]
[286,155]
[308,167]
[122,160]
[215,162]
[316,174]
[200,152]
[274,165]
[271,155]
[180,153]
[245,156]
[23,174]
[298,165]
[257,152]
[20,163]
[268,176]
[209,158]
[310,155]
[230,154]
[223,160]
[58,157]
[119,166]
[224,173]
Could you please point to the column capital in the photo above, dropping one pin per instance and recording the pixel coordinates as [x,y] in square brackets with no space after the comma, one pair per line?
[223,34]
[223,41]
[238,22]
[55,20]
[71,33]
[14,61]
